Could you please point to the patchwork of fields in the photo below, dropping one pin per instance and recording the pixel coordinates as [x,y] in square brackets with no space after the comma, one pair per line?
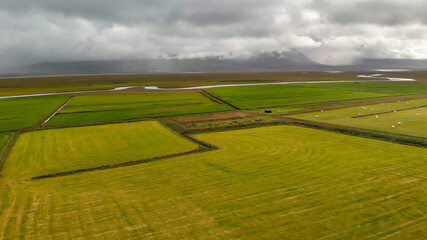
[410,114]
[249,97]
[100,108]
[174,173]
[262,183]
[68,149]
[17,113]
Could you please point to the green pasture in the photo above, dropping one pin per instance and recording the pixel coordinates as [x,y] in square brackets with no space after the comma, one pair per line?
[406,113]
[49,84]
[393,88]
[280,182]
[109,107]
[67,149]
[3,139]
[248,97]
[17,113]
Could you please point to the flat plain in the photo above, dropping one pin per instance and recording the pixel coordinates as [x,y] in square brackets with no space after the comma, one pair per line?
[249,97]
[67,149]
[410,114]
[46,84]
[260,184]
[18,113]
[195,170]
[108,107]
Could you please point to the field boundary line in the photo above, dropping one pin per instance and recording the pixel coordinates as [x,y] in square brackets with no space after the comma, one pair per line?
[211,95]
[118,165]
[365,133]
[58,110]
[372,101]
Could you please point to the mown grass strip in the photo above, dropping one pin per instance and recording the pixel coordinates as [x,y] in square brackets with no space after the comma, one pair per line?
[111,166]
[53,151]
[264,183]
[395,138]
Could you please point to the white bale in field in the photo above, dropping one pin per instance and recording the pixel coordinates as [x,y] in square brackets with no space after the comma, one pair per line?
[376,116]
[417,114]
[372,109]
[399,123]
[360,114]
[315,115]
[321,110]
[393,126]
[395,111]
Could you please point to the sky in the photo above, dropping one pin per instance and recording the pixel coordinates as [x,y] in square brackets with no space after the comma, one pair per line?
[327,31]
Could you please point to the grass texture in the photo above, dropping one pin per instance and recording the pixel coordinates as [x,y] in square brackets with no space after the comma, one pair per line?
[67,149]
[17,113]
[99,108]
[265,183]
[410,113]
[249,97]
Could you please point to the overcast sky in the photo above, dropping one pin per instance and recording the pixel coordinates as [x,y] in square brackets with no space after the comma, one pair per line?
[328,31]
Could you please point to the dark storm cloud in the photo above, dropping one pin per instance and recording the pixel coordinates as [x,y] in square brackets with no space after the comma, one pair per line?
[151,11]
[328,31]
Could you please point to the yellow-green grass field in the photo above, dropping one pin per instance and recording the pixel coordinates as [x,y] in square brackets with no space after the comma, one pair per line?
[282,182]
[99,108]
[249,97]
[406,113]
[17,113]
[67,149]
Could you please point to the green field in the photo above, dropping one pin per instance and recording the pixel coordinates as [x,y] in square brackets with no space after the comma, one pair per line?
[17,113]
[264,183]
[67,149]
[99,108]
[411,124]
[248,97]
[3,139]
[47,84]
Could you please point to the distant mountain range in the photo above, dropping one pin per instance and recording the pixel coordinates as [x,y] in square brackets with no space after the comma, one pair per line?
[265,62]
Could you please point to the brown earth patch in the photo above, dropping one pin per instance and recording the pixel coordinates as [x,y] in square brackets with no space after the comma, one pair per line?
[213,116]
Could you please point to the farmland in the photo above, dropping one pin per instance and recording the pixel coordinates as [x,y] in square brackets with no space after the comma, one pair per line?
[46,84]
[248,97]
[61,150]
[99,108]
[410,114]
[17,113]
[3,139]
[261,183]
[211,164]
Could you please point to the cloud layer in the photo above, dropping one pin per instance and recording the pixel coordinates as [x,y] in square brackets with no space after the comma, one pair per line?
[329,31]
